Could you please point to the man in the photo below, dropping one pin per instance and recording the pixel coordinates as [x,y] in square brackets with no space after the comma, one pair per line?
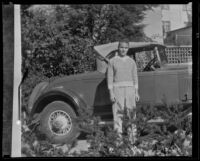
[122,82]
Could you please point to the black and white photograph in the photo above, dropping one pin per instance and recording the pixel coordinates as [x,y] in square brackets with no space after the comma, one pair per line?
[98,80]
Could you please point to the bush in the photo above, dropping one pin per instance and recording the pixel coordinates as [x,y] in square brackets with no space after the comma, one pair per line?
[152,139]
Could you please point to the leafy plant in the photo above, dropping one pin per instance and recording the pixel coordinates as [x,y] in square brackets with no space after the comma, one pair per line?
[151,140]
[59,39]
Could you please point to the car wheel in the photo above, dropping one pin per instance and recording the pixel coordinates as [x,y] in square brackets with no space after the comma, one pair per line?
[57,122]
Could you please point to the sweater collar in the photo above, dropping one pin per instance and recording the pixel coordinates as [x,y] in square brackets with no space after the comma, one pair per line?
[122,58]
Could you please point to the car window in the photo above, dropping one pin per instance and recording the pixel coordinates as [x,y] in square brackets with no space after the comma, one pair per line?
[142,59]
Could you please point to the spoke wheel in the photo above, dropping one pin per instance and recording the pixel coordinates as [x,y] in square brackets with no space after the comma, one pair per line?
[57,122]
[60,123]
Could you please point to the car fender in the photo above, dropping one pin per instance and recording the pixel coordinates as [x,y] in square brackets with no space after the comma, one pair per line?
[55,94]
[37,91]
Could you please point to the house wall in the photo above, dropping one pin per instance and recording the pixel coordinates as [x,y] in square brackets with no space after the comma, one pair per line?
[176,15]
[179,37]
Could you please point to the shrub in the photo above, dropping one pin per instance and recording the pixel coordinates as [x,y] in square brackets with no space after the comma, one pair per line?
[152,139]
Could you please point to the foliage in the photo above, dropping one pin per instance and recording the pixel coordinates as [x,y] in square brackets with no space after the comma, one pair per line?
[60,40]
[153,139]
[32,79]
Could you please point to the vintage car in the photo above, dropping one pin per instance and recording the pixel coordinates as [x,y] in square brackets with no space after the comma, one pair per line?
[56,103]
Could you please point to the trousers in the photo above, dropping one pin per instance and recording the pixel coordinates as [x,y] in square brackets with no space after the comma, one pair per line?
[125,97]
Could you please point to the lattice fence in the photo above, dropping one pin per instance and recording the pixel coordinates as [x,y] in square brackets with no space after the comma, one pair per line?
[179,54]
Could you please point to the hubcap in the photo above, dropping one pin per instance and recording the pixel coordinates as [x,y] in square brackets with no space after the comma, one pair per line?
[60,123]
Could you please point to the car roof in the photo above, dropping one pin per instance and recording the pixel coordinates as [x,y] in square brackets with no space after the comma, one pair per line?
[105,49]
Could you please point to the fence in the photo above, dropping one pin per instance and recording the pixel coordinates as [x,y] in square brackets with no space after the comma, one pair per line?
[179,54]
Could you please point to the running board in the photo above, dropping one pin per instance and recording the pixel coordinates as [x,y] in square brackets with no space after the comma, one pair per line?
[150,121]
[105,122]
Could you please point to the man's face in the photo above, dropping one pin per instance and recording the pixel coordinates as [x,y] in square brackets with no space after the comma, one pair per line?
[123,48]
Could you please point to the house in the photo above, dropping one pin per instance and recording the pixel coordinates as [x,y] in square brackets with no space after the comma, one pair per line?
[179,37]
[166,17]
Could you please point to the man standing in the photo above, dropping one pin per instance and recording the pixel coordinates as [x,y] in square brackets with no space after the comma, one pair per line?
[122,81]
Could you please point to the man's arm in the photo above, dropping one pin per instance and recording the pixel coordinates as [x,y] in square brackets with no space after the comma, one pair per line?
[135,75]
[110,80]
[110,75]
[135,80]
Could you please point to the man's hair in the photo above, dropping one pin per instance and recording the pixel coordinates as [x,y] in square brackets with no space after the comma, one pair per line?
[123,41]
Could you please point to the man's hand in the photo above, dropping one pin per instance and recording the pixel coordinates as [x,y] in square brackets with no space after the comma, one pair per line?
[112,97]
[137,97]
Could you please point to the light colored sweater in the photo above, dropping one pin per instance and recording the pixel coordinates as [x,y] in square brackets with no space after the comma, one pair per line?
[122,71]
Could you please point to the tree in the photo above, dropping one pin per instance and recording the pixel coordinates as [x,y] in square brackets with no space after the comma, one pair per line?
[60,39]
[106,23]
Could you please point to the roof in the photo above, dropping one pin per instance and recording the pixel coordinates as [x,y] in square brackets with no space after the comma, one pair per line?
[179,29]
[105,49]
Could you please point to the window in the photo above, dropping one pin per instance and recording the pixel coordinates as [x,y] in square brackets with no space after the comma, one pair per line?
[165,7]
[166,26]
[143,58]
